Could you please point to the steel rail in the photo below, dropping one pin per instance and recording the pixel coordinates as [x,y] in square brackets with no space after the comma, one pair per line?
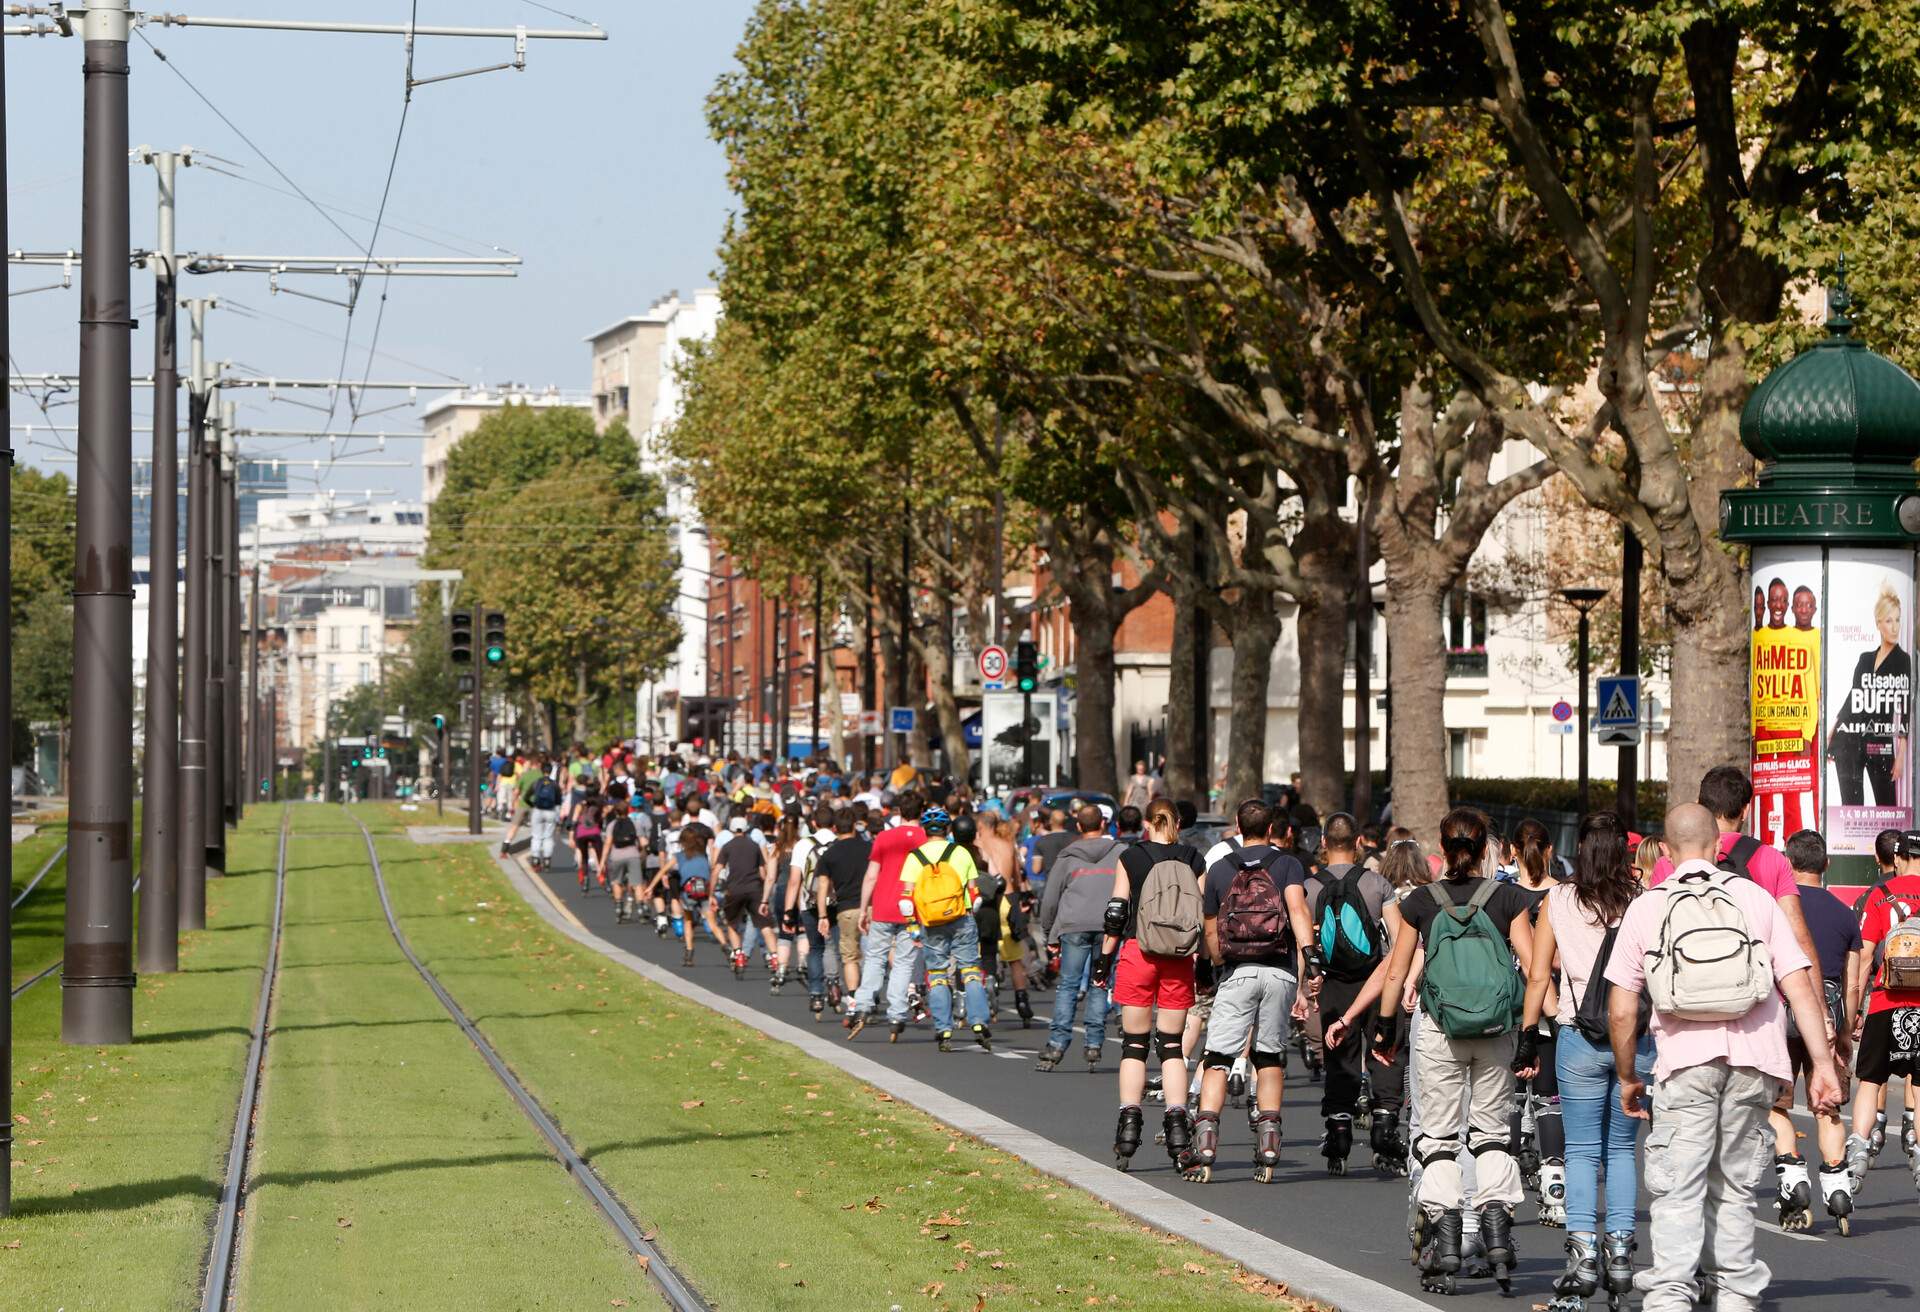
[678,1293]
[35,881]
[226,1228]
[54,969]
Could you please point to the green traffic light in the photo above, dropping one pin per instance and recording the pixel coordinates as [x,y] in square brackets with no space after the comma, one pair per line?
[496,654]
[356,763]
[1026,685]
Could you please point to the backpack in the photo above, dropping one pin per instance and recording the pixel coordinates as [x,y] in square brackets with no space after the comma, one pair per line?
[546,794]
[939,894]
[1350,938]
[1591,1016]
[1253,915]
[624,834]
[1470,987]
[1736,859]
[1900,959]
[697,888]
[1167,923]
[1706,963]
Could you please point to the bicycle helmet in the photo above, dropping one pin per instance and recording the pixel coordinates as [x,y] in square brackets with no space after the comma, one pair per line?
[935,820]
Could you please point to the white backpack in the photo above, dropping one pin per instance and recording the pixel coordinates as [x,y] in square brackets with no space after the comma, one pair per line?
[1706,964]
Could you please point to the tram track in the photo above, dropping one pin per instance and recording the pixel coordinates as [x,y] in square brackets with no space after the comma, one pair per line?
[216,1290]
[34,883]
[673,1287]
[54,968]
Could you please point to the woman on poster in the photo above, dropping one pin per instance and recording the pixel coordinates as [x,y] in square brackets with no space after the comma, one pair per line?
[1869,735]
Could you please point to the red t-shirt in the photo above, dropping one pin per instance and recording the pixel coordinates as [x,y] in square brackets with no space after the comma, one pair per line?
[1881,917]
[890,850]
[1767,866]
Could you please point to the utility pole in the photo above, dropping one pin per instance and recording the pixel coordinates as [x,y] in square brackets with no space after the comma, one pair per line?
[6,674]
[1583,600]
[214,568]
[1627,801]
[819,662]
[191,830]
[474,767]
[159,875]
[257,753]
[1362,800]
[96,999]
[231,628]
[868,674]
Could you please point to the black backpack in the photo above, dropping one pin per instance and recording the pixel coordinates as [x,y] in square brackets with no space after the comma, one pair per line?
[1591,1016]
[1351,940]
[546,794]
[1743,850]
[624,834]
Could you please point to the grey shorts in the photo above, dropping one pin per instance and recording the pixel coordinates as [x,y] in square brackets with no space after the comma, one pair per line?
[1252,1000]
[623,866]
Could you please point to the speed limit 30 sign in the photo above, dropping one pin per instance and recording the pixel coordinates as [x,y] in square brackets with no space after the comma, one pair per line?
[993,663]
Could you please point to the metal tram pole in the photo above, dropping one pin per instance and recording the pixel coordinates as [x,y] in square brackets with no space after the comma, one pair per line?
[1627,800]
[191,830]
[96,997]
[474,766]
[213,809]
[256,746]
[6,676]
[159,947]
[1583,600]
[231,548]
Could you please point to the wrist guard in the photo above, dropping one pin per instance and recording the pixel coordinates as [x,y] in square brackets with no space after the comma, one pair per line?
[1102,968]
[1385,1035]
[1316,966]
[1115,920]
[1526,1049]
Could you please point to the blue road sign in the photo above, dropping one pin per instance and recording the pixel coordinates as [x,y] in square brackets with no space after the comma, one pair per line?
[900,719]
[1618,719]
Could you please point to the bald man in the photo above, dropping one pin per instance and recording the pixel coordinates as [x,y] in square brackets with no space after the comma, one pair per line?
[1714,1081]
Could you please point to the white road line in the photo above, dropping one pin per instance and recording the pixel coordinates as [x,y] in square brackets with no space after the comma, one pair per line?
[1791,1234]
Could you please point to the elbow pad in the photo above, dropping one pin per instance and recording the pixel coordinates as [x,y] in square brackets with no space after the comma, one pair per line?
[1115,921]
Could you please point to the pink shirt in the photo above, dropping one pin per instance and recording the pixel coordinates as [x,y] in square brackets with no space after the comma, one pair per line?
[1757,1040]
[1767,866]
[1576,938]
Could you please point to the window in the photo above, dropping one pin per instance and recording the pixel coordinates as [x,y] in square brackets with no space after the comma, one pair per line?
[1458,758]
[371,598]
[1466,635]
[366,672]
[366,638]
[333,638]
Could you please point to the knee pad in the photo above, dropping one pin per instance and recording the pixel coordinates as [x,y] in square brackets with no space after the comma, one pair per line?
[1429,1149]
[937,979]
[1133,1046]
[971,975]
[1167,1046]
[1480,1145]
[1266,1061]
[1216,1061]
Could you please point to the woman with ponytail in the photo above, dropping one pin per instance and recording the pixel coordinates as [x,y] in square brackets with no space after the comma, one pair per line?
[1576,932]
[1464,1047]
[1543,1153]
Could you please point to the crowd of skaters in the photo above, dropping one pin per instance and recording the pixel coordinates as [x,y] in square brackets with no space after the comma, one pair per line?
[1502,1020]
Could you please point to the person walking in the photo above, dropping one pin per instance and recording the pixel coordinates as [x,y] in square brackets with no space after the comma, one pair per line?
[1720,1043]
[1071,914]
[1577,927]
[1473,929]
[1141,788]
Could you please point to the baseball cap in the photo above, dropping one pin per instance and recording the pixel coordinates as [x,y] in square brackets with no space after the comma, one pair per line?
[1910,843]
[738,824]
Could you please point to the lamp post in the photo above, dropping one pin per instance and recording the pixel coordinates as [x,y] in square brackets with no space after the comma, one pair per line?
[1583,600]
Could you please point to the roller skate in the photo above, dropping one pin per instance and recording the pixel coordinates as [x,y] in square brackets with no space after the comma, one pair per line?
[1473,1252]
[1266,1146]
[1496,1233]
[1156,1091]
[1795,1199]
[1876,1138]
[740,960]
[1336,1143]
[1527,1158]
[917,1005]
[1440,1251]
[984,1037]
[1204,1147]
[1908,1143]
[835,994]
[1553,1194]
[619,911]
[679,926]
[1619,1246]
[1176,1131]
[1092,1054]
[946,1040]
[818,1006]
[1419,1226]
[1316,1063]
[855,1022]
[1859,1159]
[1049,1058]
[1126,1136]
[1836,1186]
[895,1029]
[686,957]
[660,925]
[1389,1154]
[1237,1080]
[778,982]
[1575,1285]
[1023,1008]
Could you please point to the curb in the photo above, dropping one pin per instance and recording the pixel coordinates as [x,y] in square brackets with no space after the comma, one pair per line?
[1301,1272]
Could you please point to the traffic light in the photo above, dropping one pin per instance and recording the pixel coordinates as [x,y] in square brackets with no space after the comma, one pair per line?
[440,724]
[381,753]
[1026,666]
[496,637]
[356,763]
[460,637]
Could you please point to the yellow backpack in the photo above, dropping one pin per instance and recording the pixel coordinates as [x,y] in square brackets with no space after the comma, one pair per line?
[939,894]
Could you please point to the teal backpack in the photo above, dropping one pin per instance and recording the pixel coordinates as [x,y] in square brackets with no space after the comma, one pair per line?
[1470,988]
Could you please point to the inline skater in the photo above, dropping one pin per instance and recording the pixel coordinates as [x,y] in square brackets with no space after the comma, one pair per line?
[1149,955]
[1071,913]
[1542,1154]
[839,872]
[1890,980]
[890,936]
[940,879]
[587,818]
[1255,907]
[688,878]
[778,891]
[620,860]
[741,876]
[1472,928]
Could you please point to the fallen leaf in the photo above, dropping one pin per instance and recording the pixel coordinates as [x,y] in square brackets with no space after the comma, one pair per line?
[691,1103]
[1195,1269]
[932,1288]
[874,1204]
[616,1302]
[345,1223]
[785,1265]
[644,1261]
[13,1244]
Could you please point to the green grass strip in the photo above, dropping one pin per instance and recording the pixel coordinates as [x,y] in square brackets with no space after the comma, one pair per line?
[118,1151]
[39,923]
[391,1169]
[772,1180]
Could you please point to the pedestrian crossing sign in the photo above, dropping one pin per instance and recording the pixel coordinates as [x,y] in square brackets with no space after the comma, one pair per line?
[1617,723]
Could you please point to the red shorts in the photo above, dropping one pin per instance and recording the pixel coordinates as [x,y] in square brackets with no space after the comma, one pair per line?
[1143,980]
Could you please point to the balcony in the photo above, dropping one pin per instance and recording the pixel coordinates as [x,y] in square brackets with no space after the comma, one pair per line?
[1467,663]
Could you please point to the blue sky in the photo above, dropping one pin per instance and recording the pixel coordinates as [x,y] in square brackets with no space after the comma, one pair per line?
[594,164]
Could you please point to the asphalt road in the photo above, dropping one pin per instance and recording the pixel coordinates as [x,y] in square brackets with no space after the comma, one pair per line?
[1358,1222]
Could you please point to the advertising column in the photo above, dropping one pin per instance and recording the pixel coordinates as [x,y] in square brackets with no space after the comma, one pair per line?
[1869,716]
[1785,694]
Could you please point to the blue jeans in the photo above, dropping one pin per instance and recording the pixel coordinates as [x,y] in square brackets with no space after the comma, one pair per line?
[884,937]
[1077,949]
[950,946]
[816,955]
[1598,1132]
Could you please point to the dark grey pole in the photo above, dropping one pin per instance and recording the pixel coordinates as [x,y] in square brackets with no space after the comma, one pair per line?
[1628,801]
[819,664]
[869,676]
[159,872]
[96,1001]
[257,746]
[475,757]
[234,615]
[6,675]
[215,809]
[1363,665]
[191,832]
[1585,732]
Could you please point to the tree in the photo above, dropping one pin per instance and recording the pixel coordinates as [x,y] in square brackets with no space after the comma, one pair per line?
[41,536]
[43,670]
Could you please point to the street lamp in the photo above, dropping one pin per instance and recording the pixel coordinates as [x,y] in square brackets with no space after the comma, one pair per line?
[1583,600]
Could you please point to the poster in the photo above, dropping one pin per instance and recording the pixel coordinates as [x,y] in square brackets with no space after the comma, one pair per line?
[1869,717]
[1785,693]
